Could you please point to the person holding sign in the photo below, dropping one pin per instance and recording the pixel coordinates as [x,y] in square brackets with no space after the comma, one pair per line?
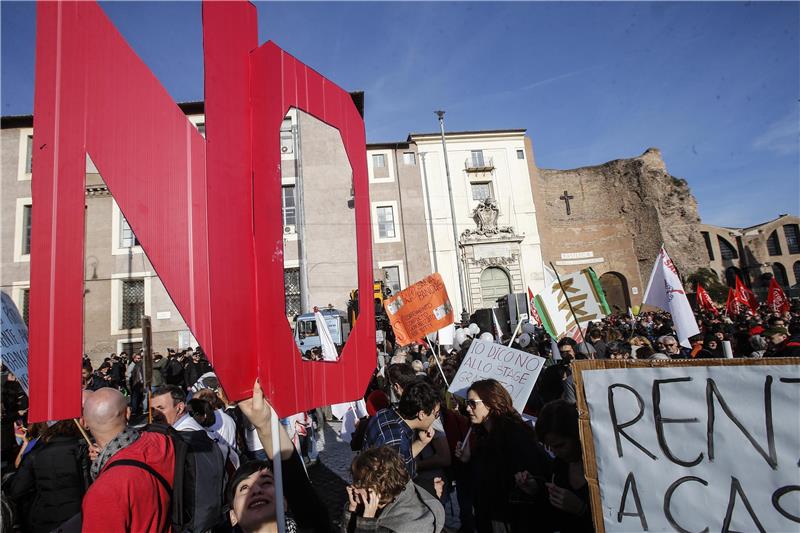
[504,446]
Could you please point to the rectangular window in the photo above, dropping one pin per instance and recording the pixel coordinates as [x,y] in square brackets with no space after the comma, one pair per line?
[132,303]
[127,239]
[289,206]
[25,304]
[476,156]
[287,136]
[29,154]
[386,222]
[773,244]
[391,276]
[26,229]
[378,160]
[291,286]
[481,191]
[520,154]
[792,235]
[409,158]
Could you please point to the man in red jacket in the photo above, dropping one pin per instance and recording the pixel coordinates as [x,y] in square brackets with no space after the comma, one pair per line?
[125,497]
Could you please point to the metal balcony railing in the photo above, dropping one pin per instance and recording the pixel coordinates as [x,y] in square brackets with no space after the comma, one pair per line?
[479,164]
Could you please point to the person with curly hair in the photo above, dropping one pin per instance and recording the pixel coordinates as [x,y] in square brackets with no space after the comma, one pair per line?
[383,498]
[503,446]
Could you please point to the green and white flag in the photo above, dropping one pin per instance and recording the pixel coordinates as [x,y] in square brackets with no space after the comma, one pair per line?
[584,293]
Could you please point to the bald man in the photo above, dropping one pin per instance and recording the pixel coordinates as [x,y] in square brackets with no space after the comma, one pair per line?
[126,497]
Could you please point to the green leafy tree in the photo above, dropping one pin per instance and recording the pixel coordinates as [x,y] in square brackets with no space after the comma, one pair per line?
[711,283]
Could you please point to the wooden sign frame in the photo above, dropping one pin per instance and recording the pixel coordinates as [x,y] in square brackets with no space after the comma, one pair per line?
[584,420]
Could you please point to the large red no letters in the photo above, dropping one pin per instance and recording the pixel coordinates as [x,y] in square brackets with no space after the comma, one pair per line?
[206,211]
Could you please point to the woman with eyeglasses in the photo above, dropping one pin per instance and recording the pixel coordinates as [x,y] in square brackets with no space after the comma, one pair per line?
[504,445]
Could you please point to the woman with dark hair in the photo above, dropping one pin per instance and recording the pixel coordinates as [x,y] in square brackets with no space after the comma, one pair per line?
[503,446]
[568,493]
[383,498]
[52,478]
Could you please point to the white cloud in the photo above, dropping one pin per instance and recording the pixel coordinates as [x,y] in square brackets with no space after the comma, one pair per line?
[781,137]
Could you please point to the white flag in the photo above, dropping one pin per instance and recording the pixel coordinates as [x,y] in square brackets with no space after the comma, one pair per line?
[665,290]
[329,352]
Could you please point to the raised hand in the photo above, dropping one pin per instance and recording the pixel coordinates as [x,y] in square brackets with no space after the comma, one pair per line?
[256,408]
[371,500]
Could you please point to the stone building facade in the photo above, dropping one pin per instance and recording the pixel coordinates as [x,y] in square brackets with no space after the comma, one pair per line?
[490,177]
[411,227]
[399,238]
[120,284]
[614,217]
[757,253]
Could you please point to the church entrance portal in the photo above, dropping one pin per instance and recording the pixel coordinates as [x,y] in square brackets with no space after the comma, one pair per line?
[615,287]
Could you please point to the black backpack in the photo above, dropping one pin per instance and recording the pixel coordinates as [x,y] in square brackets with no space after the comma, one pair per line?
[198,487]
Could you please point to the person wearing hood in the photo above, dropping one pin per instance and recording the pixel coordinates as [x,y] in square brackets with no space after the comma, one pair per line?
[383,498]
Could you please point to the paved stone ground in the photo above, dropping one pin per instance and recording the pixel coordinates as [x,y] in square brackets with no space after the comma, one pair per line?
[332,474]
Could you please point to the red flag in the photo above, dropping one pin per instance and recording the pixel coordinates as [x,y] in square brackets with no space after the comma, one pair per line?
[704,300]
[776,300]
[532,308]
[745,296]
[732,306]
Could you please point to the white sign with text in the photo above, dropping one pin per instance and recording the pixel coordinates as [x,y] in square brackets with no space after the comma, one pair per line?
[14,341]
[697,448]
[516,370]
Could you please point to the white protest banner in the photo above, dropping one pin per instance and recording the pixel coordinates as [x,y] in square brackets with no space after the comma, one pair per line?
[516,370]
[706,445]
[585,296]
[14,341]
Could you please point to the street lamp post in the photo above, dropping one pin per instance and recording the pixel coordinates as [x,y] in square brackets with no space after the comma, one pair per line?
[461,286]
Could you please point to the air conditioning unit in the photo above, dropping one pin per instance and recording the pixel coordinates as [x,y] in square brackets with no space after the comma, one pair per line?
[288,229]
[284,149]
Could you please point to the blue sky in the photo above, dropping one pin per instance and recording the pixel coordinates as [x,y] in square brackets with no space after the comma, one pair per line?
[715,86]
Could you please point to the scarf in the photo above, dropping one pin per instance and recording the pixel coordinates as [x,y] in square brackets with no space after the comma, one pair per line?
[124,439]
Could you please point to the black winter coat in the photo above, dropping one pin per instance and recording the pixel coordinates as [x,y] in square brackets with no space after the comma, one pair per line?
[50,483]
[509,448]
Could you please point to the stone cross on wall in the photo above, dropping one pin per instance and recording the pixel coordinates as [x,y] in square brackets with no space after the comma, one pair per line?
[566,197]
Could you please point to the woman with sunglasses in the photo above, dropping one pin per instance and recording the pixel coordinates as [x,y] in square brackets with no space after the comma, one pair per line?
[504,445]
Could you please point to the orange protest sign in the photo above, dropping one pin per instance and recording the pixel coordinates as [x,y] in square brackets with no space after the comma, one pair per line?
[419,309]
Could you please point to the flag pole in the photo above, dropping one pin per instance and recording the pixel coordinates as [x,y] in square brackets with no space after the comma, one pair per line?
[571,310]
[436,356]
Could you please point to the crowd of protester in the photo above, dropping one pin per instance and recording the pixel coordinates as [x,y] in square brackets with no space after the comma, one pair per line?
[181,456]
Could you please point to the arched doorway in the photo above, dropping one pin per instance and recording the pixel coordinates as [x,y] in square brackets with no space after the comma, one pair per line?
[615,287]
[796,269]
[779,271]
[494,284]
